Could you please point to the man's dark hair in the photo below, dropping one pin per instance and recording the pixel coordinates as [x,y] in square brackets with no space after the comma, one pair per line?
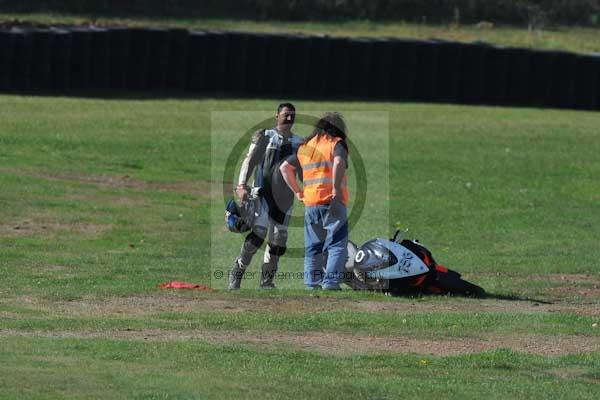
[332,123]
[288,105]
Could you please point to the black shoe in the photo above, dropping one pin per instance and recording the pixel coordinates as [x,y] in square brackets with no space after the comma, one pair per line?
[235,275]
[267,276]
[268,285]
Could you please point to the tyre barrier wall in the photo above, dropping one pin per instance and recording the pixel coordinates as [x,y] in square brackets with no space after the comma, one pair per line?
[177,60]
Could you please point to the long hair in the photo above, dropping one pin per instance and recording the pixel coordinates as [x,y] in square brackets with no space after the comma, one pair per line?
[331,123]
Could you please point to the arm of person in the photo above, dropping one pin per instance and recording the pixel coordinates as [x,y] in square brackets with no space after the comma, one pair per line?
[255,154]
[339,169]
[288,171]
[340,163]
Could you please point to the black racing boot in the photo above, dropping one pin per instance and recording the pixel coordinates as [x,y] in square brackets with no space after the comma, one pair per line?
[235,275]
[268,274]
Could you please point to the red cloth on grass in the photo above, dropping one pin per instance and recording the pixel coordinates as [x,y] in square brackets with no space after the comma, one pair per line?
[183,285]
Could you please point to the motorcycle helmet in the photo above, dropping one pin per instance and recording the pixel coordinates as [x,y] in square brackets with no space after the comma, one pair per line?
[235,219]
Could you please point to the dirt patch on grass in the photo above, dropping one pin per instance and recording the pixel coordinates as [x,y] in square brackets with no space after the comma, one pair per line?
[479,306]
[578,285]
[46,226]
[339,344]
[122,200]
[189,302]
[334,343]
[198,187]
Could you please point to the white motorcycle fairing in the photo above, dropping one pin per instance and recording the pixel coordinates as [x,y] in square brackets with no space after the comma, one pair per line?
[385,259]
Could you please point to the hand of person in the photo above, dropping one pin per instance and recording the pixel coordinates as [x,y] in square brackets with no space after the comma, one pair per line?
[242,192]
[300,196]
[334,194]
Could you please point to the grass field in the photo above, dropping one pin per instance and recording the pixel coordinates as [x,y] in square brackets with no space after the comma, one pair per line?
[571,38]
[103,200]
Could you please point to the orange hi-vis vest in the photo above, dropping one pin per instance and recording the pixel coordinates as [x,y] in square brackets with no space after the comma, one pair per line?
[316,160]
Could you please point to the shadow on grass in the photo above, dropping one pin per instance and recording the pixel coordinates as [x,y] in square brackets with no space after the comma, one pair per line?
[511,297]
[486,296]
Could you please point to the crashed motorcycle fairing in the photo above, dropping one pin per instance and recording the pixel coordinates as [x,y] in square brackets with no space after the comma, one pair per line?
[384,259]
[403,267]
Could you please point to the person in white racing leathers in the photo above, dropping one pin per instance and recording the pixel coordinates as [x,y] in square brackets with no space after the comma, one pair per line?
[268,148]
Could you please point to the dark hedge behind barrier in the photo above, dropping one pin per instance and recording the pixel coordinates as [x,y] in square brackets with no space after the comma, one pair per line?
[234,63]
[519,12]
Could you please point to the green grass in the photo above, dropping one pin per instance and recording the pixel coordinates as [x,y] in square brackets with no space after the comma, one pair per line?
[102,200]
[121,369]
[577,39]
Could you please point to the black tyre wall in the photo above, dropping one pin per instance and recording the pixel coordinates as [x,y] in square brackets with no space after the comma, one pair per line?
[120,47]
[472,67]
[360,63]
[449,72]
[563,78]
[7,48]
[274,67]
[139,59]
[320,50]
[541,83]
[177,70]
[496,75]
[41,74]
[426,84]
[294,65]
[298,63]
[22,60]
[158,58]
[61,60]
[80,58]
[403,76]
[587,82]
[197,61]
[237,63]
[216,62]
[100,58]
[380,84]
[519,61]
[256,61]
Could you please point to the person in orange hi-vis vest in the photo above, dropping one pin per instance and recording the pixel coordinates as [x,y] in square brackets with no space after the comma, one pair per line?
[323,160]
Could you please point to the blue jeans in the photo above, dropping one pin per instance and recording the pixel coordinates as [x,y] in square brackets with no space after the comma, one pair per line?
[325,245]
